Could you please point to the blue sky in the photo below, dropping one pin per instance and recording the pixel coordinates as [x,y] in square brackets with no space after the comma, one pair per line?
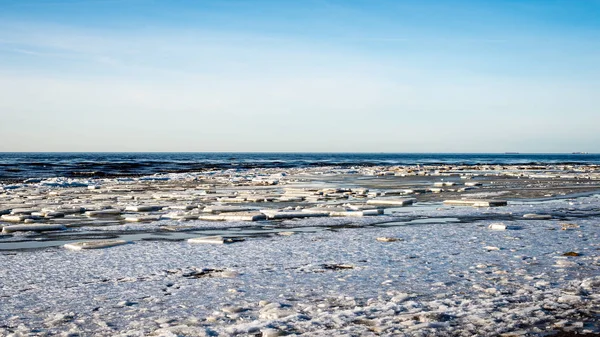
[310,75]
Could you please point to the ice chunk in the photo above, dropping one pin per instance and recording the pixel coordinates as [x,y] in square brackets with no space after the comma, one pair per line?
[234,216]
[222,209]
[65,209]
[94,244]
[142,218]
[476,202]
[24,211]
[182,207]
[497,226]
[388,239]
[179,216]
[32,228]
[14,218]
[372,212]
[274,214]
[103,212]
[215,239]
[143,208]
[537,216]
[444,183]
[391,202]
[232,200]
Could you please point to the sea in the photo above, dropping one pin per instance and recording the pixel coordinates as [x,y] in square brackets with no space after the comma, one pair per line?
[24,165]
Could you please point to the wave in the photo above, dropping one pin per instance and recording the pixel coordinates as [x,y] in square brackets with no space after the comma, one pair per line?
[96,165]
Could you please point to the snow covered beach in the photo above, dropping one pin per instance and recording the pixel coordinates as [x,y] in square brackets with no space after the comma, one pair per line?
[312,265]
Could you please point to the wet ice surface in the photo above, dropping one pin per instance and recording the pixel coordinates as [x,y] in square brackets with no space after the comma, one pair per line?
[442,277]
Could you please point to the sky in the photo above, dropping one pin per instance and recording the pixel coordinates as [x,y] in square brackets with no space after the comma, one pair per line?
[300,76]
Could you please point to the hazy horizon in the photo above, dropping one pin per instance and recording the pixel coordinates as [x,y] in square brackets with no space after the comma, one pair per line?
[314,76]
[318,152]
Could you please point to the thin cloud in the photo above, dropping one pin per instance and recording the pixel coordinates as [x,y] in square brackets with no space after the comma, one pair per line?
[20,3]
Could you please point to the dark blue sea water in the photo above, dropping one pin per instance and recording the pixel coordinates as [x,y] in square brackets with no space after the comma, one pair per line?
[43,165]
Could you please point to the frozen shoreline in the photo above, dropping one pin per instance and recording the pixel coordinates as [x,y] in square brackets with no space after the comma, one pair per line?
[455,278]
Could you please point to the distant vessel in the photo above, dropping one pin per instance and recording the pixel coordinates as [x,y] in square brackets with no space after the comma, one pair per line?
[511,152]
[580,153]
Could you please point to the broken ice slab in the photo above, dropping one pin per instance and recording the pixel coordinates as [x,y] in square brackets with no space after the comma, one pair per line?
[341,211]
[232,200]
[234,216]
[24,211]
[388,239]
[33,228]
[223,209]
[54,215]
[143,218]
[143,208]
[65,209]
[371,212]
[274,214]
[397,192]
[94,244]
[81,222]
[362,207]
[183,207]
[391,202]
[14,218]
[464,189]
[165,196]
[413,190]
[255,198]
[497,227]
[476,202]
[537,216]
[284,198]
[215,239]
[50,214]
[301,191]
[103,212]
[179,216]
[443,183]
[324,210]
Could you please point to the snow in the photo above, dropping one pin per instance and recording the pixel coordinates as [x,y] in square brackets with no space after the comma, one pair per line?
[439,279]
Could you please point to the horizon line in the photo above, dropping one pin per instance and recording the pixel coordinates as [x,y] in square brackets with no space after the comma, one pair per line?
[311,152]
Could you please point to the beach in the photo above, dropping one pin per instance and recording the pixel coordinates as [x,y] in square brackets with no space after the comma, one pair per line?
[311,168]
[396,250]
